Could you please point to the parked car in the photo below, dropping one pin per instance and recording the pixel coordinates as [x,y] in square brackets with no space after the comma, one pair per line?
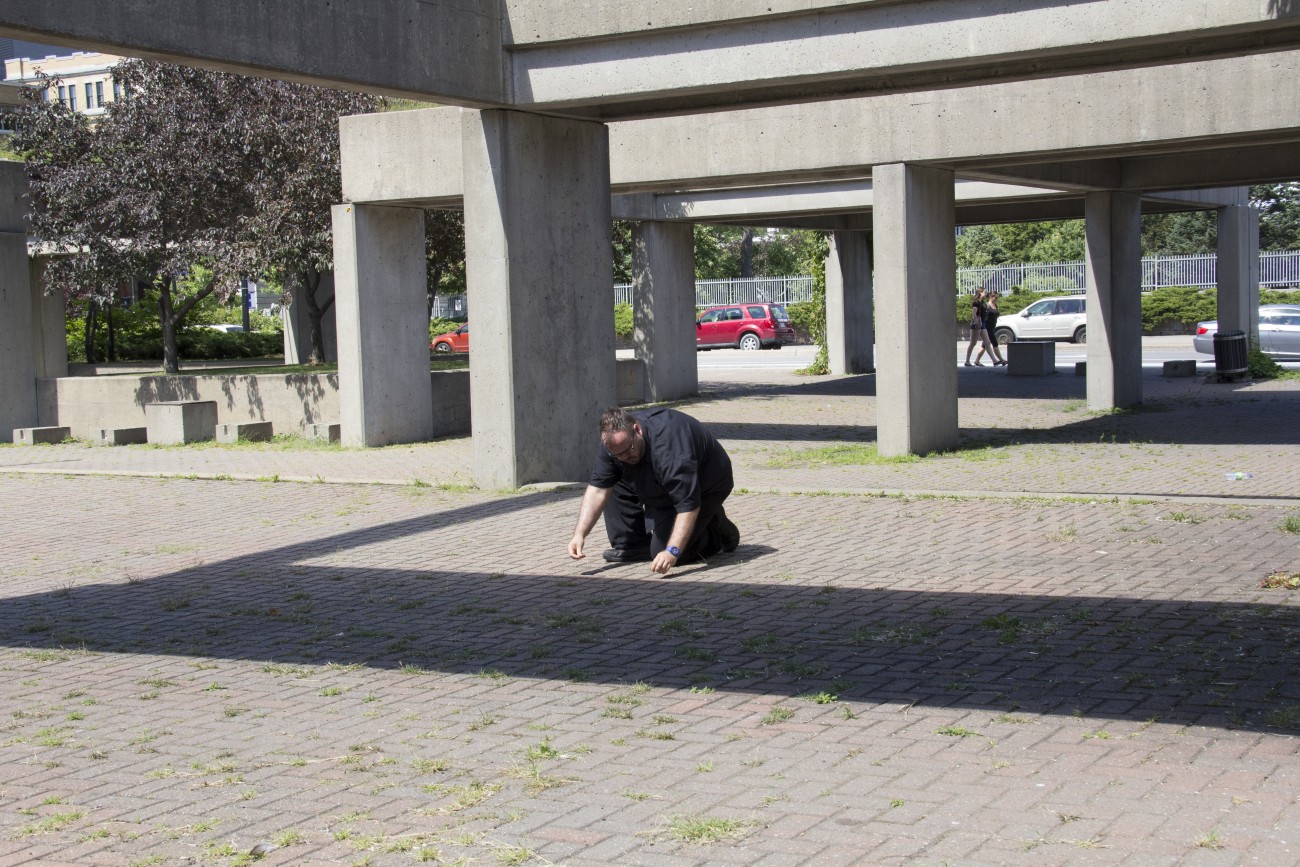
[1063,318]
[452,341]
[745,326]
[227,327]
[1279,331]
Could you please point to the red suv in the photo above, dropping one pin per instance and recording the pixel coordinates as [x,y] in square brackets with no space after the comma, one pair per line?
[744,326]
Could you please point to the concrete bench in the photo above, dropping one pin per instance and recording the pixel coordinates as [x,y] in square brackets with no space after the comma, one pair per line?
[1182,367]
[121,436]
[179,422]
[253,431]
[30,436]
[1031,357]
[328,432]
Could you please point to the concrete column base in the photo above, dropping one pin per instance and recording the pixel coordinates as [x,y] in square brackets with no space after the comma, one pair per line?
[1031,358]
[120,436]
[30,436]
[179,422]
[253,432]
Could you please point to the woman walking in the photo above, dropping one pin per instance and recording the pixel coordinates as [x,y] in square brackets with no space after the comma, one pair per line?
[977,332]
[990,320]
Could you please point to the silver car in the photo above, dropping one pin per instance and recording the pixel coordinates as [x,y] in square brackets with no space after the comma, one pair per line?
[1061,318]
[1279,331]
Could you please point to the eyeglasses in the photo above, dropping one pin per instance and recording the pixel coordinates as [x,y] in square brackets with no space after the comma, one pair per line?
[623,453]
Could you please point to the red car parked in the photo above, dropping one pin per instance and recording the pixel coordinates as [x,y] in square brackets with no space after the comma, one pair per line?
[744,326]
[452,341]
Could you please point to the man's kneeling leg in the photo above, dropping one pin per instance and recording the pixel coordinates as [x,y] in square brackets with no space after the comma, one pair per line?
[625,525]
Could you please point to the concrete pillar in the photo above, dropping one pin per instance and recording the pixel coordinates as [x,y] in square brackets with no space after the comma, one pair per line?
[297,324]
[17,348]
[49,325]
[915,250]
[383,325]
[663,308]
[1237,270]
[850,333]
[1113,242]
[539,264]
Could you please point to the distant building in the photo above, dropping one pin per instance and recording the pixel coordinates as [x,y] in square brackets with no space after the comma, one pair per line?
[85,83]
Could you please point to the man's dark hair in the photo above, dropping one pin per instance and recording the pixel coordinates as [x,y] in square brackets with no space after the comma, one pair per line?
[615,420]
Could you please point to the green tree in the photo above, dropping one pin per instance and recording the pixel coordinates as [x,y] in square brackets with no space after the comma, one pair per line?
[1279,218]
[156,188]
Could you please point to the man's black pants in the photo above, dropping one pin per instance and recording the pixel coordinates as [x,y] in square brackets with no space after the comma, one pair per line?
[633,525]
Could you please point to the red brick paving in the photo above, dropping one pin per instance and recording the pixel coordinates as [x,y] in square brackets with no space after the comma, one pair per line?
[383,671]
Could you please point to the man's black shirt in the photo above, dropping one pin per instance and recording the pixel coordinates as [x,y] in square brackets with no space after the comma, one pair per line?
[682,464]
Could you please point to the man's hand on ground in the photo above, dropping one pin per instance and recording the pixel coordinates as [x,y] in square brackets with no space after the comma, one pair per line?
[575,547]
[663,562]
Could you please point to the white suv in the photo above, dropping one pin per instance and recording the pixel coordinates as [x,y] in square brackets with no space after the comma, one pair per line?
[1062,318]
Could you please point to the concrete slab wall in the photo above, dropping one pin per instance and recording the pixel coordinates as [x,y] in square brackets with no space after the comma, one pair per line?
[672,57]
[539,264]
[291,403]
[17,346]
[1185,106]
[381,46]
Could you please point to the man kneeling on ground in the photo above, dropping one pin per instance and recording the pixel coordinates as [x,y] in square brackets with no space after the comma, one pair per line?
[660,478]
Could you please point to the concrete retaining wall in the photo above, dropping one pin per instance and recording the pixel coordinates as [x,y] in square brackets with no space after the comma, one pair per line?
[290,402]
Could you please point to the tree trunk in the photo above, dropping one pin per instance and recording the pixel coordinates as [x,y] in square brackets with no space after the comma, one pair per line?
[112,332]
[243,296]
[167,318]
[315,314]
[90,330]
[747,254]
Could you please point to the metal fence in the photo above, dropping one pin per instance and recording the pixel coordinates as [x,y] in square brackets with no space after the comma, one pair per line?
[780,290]
[1276,270]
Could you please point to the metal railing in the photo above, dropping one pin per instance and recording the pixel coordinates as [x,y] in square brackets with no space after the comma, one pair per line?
[779,290]
[1276,270]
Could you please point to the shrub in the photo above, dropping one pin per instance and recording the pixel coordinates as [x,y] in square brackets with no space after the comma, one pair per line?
[803,316]
[622,320]
[442,326]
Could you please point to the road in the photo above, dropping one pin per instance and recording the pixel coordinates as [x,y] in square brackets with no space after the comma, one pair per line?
[1155,352]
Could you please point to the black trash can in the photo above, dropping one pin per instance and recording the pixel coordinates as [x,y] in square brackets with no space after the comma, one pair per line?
[1230,352]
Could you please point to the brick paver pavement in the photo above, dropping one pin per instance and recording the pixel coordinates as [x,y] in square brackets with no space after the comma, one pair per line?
[379,674]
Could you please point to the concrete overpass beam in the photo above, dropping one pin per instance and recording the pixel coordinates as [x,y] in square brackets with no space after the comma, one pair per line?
[850,333]
[383,325]
[663,306]
[1237,274]
[916,376]
[539,261]
[1113,242]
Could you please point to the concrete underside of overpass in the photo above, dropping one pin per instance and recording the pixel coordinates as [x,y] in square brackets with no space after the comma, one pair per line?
[867,113]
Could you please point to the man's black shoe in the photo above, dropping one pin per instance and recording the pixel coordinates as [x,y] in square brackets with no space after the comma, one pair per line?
[729,533]
[631,555]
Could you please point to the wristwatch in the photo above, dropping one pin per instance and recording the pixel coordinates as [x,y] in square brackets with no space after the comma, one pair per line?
[674,550]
